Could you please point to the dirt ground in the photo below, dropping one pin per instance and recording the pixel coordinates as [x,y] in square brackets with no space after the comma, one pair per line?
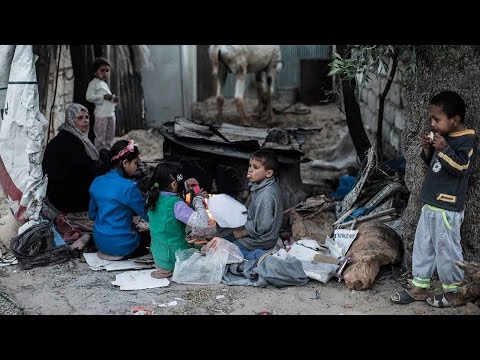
[72,288]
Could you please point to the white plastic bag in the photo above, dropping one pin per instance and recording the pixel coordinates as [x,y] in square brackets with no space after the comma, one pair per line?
[227,212]
[219,244]
[193,267]
[208,266]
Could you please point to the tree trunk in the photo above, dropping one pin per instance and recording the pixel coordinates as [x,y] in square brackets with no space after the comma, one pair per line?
[381,107]
[440,68]
[352,112]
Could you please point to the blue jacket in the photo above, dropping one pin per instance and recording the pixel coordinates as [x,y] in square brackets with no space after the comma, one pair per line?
[114,200]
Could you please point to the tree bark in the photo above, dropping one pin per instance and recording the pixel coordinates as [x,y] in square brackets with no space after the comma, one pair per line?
[352,112]
[469,291]
[440,68]
[381,107]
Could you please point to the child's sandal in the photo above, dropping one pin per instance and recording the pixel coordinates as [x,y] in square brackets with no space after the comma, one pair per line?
[439,301]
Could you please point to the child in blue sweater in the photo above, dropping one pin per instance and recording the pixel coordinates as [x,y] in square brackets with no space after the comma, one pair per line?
[114,201]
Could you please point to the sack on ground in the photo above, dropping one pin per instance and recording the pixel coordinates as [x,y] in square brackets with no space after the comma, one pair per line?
[36,247]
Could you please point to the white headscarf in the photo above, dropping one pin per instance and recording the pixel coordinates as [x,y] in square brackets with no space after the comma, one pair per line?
[71,113]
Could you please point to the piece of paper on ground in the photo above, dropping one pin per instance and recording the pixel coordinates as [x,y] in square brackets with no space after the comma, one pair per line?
[5,261]
[138,280]
[96,263]
[302,252]
[344,238]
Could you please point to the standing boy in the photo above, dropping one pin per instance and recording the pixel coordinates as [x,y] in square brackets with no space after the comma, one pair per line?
[448,150]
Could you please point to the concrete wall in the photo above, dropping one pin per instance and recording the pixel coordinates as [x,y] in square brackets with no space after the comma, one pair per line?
[169,86]
[394,113]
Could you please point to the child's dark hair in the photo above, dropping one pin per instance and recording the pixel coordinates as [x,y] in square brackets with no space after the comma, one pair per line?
[163,175]
[268,159]
[100,62]
[451,102]
[121,145]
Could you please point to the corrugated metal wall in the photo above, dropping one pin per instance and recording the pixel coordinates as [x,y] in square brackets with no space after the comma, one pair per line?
[288,77]
[125,81]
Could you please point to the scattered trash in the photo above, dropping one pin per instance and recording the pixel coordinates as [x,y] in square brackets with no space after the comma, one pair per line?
[171,303]
[7,260]
[264,313]
[198,297]
[345,185]
[345,261]
[96,263]
[138,280]
[141,310]
[219,297]
[317,295]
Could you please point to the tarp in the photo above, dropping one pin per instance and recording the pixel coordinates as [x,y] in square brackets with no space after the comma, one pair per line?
[23,136]
[6,56]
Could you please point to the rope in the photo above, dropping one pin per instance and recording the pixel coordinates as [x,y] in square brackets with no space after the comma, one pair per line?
[50,122]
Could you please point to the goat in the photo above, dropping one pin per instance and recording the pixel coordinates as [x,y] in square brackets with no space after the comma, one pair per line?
[263,60]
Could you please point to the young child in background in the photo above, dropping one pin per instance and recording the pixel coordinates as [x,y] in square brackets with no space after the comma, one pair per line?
[448,151]
[265,211]
[114,200]
[169,214]
[99,93]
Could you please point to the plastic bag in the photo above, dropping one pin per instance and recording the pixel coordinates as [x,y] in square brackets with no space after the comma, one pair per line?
[227,212]
[194,267]
[36,247]
[219,244]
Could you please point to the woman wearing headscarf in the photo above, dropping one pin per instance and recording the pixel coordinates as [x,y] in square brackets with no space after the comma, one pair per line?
[71,162]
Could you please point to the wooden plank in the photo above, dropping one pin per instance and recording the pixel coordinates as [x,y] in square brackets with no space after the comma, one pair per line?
[239,133]
[326,259]
[369,217]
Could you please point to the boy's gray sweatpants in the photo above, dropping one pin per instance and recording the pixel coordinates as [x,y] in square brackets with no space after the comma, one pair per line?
[437,246]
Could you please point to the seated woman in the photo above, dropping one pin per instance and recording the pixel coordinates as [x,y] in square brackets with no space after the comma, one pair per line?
[71,162]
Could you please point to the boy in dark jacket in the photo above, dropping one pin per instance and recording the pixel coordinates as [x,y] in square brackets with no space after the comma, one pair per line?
[448,151]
